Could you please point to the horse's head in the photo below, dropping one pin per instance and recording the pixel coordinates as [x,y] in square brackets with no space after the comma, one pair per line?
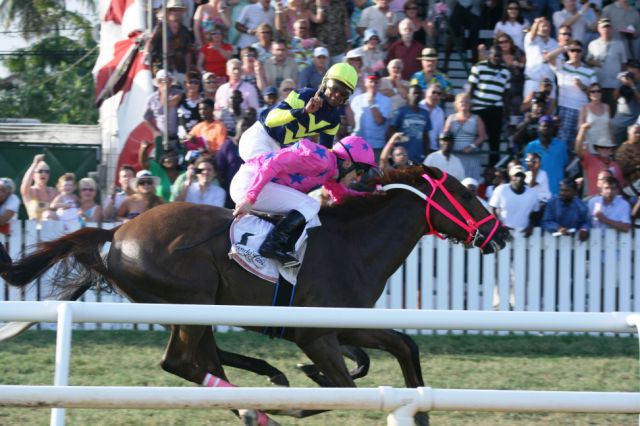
[454,213]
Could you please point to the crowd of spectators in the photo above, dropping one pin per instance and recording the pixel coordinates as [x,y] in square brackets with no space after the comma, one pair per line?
[545,128]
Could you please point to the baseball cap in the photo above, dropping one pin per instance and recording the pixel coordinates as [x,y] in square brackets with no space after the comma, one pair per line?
[516,170]
[369,33]
[208,75]
[373,76]
[545,119]
[320,51]
[271,90]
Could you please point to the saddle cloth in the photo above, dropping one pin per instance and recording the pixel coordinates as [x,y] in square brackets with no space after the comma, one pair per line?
[247,234]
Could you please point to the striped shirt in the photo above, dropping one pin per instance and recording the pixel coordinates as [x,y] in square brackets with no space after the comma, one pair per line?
[491,83]
[570,95]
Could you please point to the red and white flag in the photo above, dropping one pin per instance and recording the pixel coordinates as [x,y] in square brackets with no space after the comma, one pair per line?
[120,70]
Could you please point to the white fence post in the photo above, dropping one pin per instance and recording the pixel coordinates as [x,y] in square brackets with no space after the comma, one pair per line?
[63,355]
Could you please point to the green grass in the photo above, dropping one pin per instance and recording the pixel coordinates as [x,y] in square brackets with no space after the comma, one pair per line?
[130,358]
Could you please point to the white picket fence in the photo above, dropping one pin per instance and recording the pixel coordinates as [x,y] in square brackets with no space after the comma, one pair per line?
[540,273]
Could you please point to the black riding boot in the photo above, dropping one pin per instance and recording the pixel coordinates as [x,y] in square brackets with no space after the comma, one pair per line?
[281,241]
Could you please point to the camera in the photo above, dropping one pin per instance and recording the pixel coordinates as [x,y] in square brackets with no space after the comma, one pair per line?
[628,75]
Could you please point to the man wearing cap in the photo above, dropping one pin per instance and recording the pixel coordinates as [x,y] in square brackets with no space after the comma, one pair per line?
[269,97]
[154,116]
[311,76]
[444,160]
[552,152]
[429,74]
[407,49]
[371,53]
[380,18]
[371,111]
[607,55]
[595,158]
[180,43]
[490,81]
[625,20]
[354,58]
[279,66]
[515,204]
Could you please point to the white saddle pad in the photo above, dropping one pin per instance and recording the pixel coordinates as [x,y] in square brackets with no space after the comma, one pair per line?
[247,234]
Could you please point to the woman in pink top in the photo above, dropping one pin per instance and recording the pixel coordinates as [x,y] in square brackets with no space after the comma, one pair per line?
[277,182]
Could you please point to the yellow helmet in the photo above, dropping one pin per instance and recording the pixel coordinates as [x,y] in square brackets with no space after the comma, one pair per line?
[344,73]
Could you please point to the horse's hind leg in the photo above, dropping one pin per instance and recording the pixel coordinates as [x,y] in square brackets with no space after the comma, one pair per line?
[398,344]
[180,356]
[353,353]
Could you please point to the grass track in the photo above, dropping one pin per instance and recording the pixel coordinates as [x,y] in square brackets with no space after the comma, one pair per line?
[130,358]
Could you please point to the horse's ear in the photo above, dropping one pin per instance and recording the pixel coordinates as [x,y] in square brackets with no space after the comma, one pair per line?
[430,171]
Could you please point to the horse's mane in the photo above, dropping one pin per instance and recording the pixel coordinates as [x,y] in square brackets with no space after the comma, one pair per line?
[357,206]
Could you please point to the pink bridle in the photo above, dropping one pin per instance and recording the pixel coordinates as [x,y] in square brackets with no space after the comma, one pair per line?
[468,223]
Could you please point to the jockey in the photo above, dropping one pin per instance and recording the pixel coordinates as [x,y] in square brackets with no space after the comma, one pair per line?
[304,113]
[277,182]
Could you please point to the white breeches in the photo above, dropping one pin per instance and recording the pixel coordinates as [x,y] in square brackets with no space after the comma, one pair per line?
[274,198]
[255,141]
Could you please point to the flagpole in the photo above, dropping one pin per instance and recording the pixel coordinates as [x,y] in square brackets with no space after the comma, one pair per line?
[167,84]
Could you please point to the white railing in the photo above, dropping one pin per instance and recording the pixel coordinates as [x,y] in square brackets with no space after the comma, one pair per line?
[403,402]
[541,273]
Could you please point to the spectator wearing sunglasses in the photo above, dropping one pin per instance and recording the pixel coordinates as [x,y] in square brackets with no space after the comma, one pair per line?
[214,53]
[188,115]
[264,33]
[89,210]
[574,80]
[144,196]
[35,193]
[578,20]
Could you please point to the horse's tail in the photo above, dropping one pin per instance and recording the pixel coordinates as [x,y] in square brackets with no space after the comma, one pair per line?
[79,250]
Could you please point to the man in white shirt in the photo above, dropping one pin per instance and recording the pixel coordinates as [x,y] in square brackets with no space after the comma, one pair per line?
[250,17]
[515,204]
[444,160]
[537,43]
[431,103]
[607,56]
[380,18]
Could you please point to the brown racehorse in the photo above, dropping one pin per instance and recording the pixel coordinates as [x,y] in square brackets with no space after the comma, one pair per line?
[177,253]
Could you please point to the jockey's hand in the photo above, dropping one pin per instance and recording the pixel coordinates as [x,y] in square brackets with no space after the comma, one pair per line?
[242,208]
[314,104]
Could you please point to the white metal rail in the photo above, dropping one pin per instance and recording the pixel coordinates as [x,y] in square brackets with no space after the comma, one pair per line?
[403,402]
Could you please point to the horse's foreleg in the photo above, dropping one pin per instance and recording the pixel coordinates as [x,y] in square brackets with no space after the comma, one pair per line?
[398,344]
[254,365]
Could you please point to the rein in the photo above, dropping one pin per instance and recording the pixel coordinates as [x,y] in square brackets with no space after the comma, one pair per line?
[468,223]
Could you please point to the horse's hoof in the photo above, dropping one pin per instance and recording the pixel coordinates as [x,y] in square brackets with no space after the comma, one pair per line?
[309,369]
[279,380]
[256,418]
[421,419]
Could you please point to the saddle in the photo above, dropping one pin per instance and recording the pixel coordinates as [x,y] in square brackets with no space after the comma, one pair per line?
[247,234]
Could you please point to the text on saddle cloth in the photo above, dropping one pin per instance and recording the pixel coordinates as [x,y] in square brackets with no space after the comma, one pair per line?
[247,234]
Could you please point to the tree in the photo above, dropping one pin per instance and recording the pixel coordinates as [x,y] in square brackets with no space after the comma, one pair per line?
[51,81]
